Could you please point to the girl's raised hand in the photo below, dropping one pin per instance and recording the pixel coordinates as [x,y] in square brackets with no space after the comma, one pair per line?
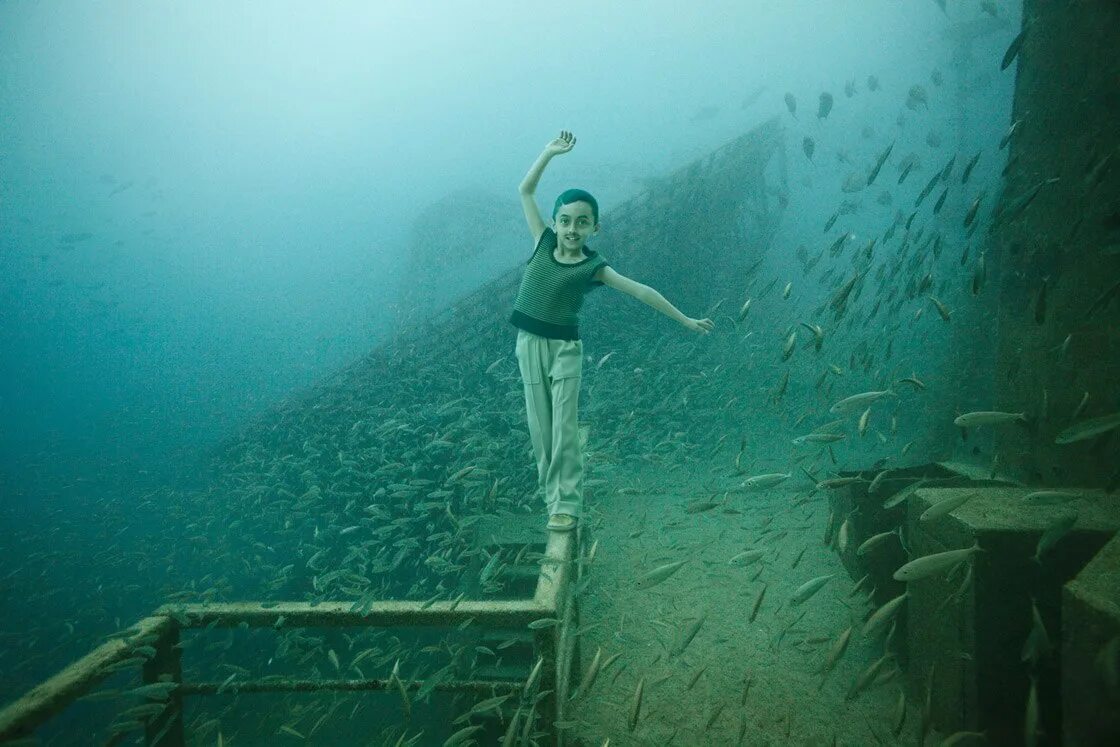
[562,144]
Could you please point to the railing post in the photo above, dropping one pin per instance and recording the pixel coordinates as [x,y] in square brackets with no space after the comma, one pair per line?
[545,643]
[166,666]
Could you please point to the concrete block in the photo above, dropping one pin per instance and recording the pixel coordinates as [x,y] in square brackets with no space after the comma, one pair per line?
[973,636]
[1091,651]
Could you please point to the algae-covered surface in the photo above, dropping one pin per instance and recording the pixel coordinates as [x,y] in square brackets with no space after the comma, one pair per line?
[738,680]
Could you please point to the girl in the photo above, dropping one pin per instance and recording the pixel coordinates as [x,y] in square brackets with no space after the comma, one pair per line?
[549,351]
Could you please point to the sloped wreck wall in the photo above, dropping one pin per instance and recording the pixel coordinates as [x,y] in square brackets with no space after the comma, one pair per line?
[430,426]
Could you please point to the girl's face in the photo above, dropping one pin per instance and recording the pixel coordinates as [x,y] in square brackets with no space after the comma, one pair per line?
[575,223]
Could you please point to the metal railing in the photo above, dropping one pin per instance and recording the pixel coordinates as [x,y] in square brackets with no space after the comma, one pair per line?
[152,643]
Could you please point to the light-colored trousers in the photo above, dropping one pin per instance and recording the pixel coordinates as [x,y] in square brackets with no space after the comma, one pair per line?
[551,371]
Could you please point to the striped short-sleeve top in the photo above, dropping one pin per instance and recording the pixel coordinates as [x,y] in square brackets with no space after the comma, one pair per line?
[551,292]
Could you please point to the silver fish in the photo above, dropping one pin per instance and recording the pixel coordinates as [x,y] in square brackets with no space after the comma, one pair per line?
[1088,428]
[989,417]
[808,589]
[658,574]
[931,565]
[765,481]
[858,401]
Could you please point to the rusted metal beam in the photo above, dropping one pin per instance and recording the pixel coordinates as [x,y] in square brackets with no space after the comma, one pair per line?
[23,716]
[386,614]
[280,684]
[556,567]
[166,730]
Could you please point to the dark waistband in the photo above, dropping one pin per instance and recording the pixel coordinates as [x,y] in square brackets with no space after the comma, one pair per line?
[544,329]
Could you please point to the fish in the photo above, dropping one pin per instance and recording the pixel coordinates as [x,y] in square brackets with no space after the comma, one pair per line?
[636,705]
[945,506]
[542,623]
[808,146]
[854,182]
[1020,204]
[979,275]
[1013,48]
[868,675]
[915,96]
[143,712]
[874,541]
[1037,644]
[940,201]
[461,736]
[913,381]
[899,717]
[825,105]
[1080,407]
[1031,719]
[963,737]
[947,170]
[688,634]
[769,480]
[840,299]
[1087,429]
[743,311]
[702,505]
[818,334]
[809,588]
[1050,497]
[838,245]
[988,417]
[589,677]
[1104,299]
[837,650]
[906,171]
[657,575]
[942,310]
[969,167]
[745,558]
[857,401]
[757,603]
[931,565]
[926,190]
[927,706]
[484,706]
[818,438]
[157,690]
[883,615]
[879,164]
[1003,141]
[791,104]
[864,419]
[831,221]
[781,390]
[970,216]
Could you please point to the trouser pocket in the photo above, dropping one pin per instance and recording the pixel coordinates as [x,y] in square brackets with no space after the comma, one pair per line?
[568,362]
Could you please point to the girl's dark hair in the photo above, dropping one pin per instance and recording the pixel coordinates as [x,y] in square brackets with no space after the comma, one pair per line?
[569,196]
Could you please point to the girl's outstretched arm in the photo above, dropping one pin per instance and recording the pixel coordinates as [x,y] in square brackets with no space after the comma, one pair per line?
[651,297]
